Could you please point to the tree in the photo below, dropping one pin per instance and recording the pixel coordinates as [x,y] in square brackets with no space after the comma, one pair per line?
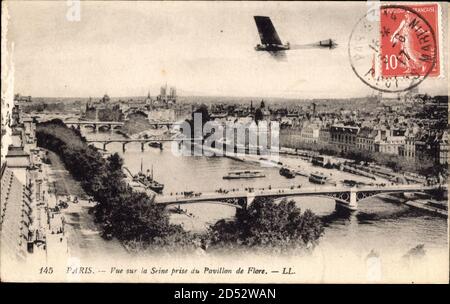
[203,110]
[123,213]
[266,224]
[115,162]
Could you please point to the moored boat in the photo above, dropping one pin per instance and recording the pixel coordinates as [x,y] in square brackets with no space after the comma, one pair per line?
[178,210]
[155,144]
[287,172]
[148,181]
[244,174]
[318,178]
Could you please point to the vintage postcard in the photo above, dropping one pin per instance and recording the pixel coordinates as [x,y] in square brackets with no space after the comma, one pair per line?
[225,141]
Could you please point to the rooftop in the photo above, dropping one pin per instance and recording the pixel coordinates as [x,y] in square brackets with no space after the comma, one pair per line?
[16,151]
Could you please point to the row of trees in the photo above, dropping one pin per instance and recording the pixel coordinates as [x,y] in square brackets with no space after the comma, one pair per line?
[135,219]
[424,166]
[128,215]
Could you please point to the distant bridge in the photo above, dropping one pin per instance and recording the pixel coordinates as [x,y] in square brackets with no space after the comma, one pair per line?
[344,196]
[95,124]
[142,141]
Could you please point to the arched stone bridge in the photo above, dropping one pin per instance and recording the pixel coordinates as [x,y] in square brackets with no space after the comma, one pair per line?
[142,141]
[344,196]
[110,125]
[95,125]
[131,111]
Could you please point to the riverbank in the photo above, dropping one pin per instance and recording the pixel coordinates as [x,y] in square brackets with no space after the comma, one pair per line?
[301,166]
[439,208]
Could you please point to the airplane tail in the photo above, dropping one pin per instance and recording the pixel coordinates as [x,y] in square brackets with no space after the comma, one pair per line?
[329,44]
[267,31]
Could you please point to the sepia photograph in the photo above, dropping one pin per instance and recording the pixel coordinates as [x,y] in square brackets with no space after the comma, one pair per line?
[224,142]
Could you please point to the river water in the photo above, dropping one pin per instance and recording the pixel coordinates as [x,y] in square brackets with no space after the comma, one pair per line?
[378,224]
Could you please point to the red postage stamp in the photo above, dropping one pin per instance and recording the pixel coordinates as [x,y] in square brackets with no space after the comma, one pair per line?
[410,40]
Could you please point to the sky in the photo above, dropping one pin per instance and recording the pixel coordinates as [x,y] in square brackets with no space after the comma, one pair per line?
[203,48]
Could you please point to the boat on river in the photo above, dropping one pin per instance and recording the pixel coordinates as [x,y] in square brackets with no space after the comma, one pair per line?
[318,178]
[178,210]
[155,144]
[148,181]
[287,172]
[244,174]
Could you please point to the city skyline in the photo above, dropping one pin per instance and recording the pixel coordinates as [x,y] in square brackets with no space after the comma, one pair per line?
[129,49]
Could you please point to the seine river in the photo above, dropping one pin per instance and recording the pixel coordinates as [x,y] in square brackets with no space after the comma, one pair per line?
[378,224]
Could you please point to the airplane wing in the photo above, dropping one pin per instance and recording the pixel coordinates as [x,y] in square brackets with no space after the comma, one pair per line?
[267,31]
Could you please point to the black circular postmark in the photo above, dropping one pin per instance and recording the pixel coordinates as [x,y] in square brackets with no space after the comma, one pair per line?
[389,53]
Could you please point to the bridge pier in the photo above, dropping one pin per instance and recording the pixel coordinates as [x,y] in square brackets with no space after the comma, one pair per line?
[142,146]
[104,146]
[123,147]
[350,202]
[353,204]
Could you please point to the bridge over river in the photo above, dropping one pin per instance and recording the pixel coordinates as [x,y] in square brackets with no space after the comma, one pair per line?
[344,196]
[142,141]
[95,124]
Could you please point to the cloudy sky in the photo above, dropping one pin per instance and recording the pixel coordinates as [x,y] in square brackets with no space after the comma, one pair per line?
[128,48]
